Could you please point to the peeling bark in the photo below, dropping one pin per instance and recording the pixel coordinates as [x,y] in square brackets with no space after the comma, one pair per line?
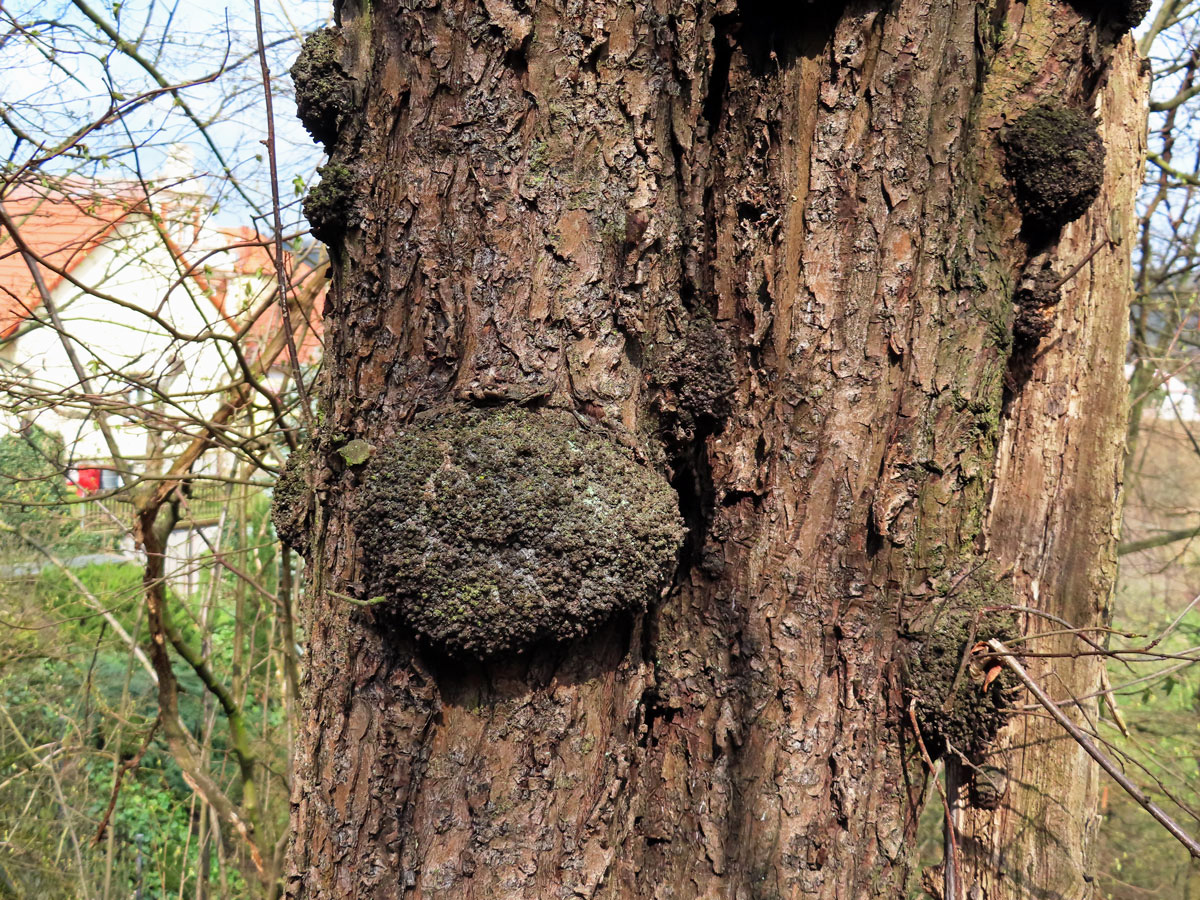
[772,254]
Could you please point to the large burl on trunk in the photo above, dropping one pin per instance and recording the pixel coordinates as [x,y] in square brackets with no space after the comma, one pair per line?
[702,379]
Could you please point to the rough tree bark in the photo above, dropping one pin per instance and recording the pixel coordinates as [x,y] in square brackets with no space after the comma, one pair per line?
[769,255]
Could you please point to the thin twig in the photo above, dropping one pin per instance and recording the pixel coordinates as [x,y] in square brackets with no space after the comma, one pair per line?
[1111,701]
[280,268]
[1006,658]
[950,871]
[122,771]
[1100,245]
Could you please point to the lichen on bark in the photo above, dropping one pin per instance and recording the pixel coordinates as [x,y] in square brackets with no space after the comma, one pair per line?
[489,531]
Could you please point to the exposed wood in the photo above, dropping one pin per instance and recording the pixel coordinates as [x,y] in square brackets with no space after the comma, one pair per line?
[1054,519]
[1089,747]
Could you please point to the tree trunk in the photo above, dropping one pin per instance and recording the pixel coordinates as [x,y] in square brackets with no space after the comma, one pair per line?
[770,258]
[1054,520]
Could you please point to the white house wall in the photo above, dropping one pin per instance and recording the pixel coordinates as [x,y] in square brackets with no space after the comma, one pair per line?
[114,341]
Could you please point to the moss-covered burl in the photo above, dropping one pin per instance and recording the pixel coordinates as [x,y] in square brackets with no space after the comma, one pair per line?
[1129,13]
[959,709]
[328,205]
[1037,294]
[488,531]
[1055,157]
[323,89]
[291,500]
[698,373]
[1121,16]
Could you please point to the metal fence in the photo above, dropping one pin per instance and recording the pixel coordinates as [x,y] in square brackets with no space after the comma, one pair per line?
[205,503]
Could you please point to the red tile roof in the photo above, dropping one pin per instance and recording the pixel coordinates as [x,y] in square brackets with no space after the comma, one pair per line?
[254,251]
[309,287]
[59,228]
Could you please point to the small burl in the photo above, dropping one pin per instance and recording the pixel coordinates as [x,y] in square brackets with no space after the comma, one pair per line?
[1129,13]
[292,500]
[324,92]
[1055,157]
[489,531]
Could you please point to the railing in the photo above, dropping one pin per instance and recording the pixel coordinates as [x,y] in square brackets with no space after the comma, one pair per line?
[111,515]
[95,530]
[205,502]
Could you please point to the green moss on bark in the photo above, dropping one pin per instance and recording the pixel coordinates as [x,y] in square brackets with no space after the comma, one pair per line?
[1055,158]
[324,96]
[958,707]
[292,499]
[489,531]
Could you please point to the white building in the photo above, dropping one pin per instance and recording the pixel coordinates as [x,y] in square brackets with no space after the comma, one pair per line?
[148,293]
[1178,400]
[143,287]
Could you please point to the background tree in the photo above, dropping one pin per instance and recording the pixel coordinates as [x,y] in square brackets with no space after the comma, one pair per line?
[1151,722]
[149,654]
[829,274]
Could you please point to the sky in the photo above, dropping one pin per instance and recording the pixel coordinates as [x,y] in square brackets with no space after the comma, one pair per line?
[61,72]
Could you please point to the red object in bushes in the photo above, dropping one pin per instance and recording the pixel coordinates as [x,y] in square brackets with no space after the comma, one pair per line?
[87,481]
